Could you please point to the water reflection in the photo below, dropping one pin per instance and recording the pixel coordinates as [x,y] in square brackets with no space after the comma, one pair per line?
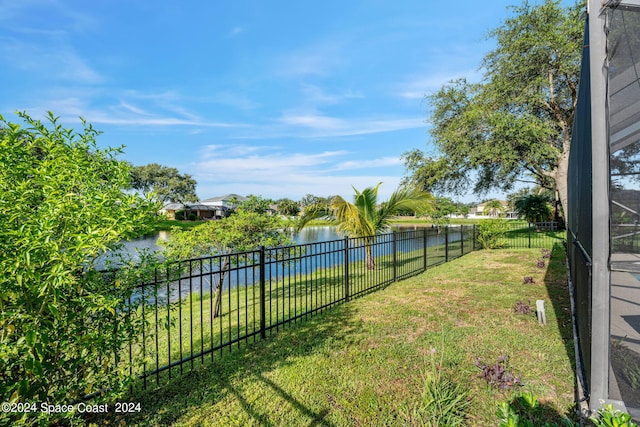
[322,233]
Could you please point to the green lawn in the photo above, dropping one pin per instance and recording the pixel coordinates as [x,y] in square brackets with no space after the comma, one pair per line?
[168,224]
[369,361]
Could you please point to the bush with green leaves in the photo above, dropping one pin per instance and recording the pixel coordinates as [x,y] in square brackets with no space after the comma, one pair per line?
[62,205]
[525,411]
[609,416]
[491,233]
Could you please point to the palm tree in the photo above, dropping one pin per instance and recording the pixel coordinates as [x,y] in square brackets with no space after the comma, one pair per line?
[364,218]
[534,208]
[493,208]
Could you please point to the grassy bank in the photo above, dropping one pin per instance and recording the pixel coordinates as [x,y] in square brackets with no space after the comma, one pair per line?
[168,224]
[371,361]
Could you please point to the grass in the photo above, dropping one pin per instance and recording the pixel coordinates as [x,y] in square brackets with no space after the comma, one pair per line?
[186,328]
[192,329]
[168,224]
[377,360]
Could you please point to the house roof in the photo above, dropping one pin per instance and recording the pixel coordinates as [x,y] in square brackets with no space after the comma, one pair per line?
[226,197]
[200,207]
[173,207]
[190,206]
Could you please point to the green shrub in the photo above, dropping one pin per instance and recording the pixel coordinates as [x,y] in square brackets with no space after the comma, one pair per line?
[525,411]
[608,416]
[491,233]
[62,204]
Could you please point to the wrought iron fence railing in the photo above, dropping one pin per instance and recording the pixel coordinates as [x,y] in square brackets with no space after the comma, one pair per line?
[197,308]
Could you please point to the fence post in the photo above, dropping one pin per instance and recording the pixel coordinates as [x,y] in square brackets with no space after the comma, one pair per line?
[461,240]
[529,233]
[395,257]
[424,248]
[474,238]
[263,296]
[346,268]
[446,243]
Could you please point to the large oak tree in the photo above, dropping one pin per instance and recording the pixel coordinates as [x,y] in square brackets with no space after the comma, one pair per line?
[515,124]
[165,183]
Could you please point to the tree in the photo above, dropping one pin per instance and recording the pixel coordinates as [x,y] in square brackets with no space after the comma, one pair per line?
[516,124]
[463,209]
[493,208]
[288,207]
[534,208]
[245,230]
[63,203]
[443,208]
[167,184]
[364,217]
[233,202]
[309,200]
[256,204]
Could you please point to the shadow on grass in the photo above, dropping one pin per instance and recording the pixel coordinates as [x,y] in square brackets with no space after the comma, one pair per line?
[538,414]
[556,283]
[557,287]
[213,381]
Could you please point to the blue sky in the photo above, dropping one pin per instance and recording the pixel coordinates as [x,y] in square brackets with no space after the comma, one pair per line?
[273,98]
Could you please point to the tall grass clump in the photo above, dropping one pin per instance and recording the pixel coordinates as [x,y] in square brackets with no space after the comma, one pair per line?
[444,400]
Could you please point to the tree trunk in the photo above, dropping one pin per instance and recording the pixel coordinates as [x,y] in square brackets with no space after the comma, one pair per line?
[370,262]
[561,178]
[217,296]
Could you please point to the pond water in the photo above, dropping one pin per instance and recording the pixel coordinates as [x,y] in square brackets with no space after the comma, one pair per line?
[131,248]
[315,234]
[305,236]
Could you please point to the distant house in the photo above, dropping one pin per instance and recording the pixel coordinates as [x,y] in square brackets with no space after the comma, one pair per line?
[224,204]
[504,212]
[229,201]
[195,210]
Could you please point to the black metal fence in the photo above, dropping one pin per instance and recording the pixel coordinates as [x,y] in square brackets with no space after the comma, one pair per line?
[196,308]
[521,234]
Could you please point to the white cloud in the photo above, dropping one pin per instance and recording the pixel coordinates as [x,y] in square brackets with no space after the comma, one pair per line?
[135,110]
[321,59]
[295,186]
[236,100]
[55,62]
[17,16]
[314,95]
[365,164]
[130,109]
[275,172]
[312,120]
[243,162]
[316,125]
[417,87]
[217,151]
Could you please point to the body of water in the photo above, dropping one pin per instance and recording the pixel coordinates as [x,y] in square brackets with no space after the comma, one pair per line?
[314,256]
[323,233]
